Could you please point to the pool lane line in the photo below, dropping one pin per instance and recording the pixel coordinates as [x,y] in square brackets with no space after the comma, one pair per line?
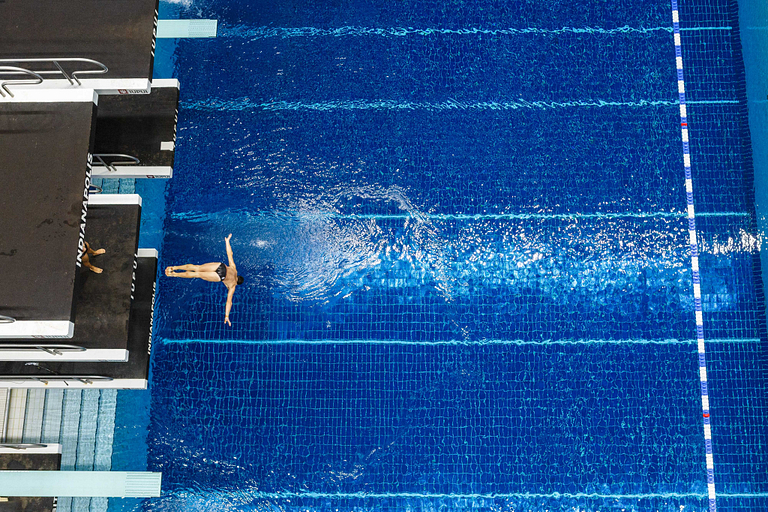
[245,103]
[712,102]
[692,235]
[250,495]
[267,32]
[200,217]
[462,343]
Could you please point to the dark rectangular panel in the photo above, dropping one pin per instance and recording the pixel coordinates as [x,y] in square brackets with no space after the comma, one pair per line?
[139,338]
[104,299]
[137,124]
[118,33]
[44,151]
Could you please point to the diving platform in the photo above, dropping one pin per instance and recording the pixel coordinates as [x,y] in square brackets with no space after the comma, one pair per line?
[133,373]
[106,46]
[136,134]
[45,151]
[103,300]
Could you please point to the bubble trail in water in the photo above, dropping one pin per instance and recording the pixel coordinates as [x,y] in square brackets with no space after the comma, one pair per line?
[244,103]
[265,32]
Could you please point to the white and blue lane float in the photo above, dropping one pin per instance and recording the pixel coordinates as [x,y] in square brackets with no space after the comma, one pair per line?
[692,235]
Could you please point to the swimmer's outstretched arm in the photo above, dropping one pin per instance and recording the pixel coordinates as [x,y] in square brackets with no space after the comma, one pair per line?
[229,306]
[229,250]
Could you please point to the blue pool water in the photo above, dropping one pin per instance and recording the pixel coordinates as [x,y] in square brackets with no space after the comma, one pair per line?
[464,231]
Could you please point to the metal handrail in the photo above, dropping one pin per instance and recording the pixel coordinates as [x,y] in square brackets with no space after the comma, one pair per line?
[73,77]
[99,157]
[85,379]
[54,350]
[16,81]
[94,189]
[22,446]
[6,319]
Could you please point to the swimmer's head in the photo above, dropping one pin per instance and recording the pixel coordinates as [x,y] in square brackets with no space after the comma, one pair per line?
[240,279]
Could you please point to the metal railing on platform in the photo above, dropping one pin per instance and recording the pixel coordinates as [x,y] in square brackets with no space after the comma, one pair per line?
[54,350]
[105,159]
[42,70]
[36,79]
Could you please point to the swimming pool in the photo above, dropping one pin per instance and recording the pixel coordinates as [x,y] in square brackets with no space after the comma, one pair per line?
[466,229]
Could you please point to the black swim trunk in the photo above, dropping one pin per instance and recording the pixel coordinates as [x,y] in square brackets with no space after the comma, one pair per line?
[222,271]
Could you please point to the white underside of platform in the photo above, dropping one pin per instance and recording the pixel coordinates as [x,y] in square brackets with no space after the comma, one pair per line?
[75,384]
[100,85]
[93,355]
[165,82]
[133,171]
[29,329]
[113,199]
[33,94]
[32,448]
[147,253]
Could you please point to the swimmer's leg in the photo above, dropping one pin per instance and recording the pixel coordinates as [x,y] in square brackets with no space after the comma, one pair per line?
[87,264]
[207,276]
[172,271]
[205,268]
[90,251]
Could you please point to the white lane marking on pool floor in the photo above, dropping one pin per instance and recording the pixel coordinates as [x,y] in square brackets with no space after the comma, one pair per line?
[265,32]
[464,343]
[246,103]
[250,495]
[199,217]
[694,261]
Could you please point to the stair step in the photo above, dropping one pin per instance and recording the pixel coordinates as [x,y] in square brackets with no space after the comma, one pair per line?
[81,504]
[105,434]
[99,504]
[4,394]
[63,504]
[86,441]
[70,425]
[105,431]
[18,404]
[54,403]
[33,418]
[87,433]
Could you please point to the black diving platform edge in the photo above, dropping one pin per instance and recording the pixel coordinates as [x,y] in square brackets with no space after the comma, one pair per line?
[117,33]
[139,341]
[103,301]
[44,152]
[138,124]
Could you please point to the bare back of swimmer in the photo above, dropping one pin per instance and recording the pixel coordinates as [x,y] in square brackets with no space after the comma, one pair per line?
[213,272]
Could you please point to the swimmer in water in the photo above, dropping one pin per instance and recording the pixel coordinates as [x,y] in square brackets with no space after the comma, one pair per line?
[214,272]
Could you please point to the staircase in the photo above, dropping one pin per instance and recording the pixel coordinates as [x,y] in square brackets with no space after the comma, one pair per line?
[81,420]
